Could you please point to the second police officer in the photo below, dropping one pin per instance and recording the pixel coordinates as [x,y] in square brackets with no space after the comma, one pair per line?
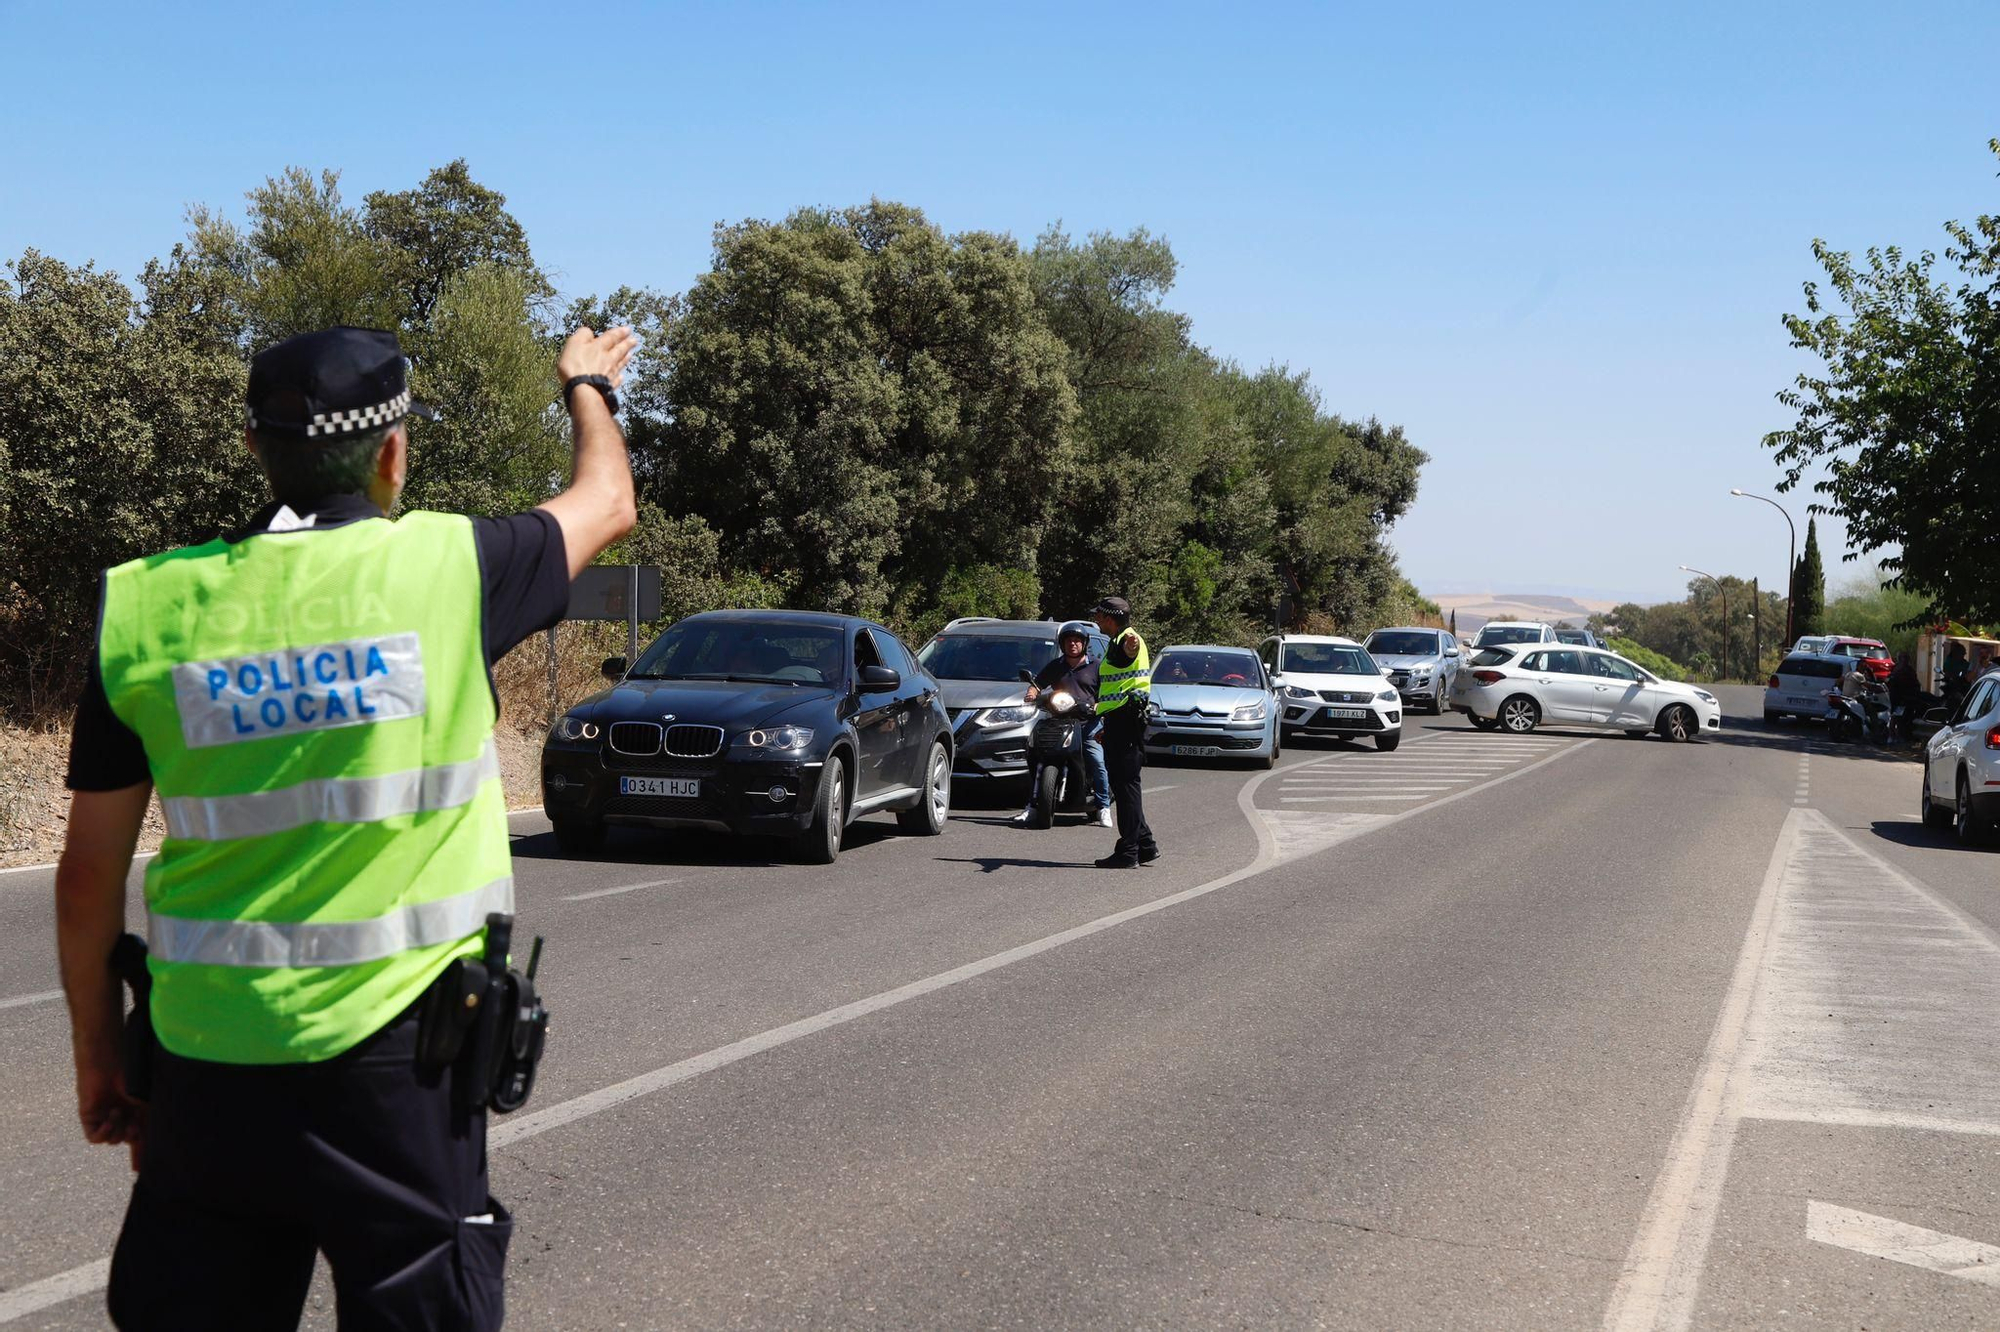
[1123,687]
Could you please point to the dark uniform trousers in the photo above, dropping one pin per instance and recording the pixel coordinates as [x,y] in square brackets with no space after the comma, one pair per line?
[1125,757]
[248,1170]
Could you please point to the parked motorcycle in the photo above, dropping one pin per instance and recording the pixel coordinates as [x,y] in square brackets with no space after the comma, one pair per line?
[1865,719]
[1056,769]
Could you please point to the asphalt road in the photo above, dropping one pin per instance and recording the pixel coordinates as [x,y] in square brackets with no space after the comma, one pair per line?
[1566,1032]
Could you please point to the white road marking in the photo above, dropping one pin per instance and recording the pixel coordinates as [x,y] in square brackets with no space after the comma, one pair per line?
[1329,799]
[1859,998]
[613,892]
[1880,1237]
[1656,1288]
[38,1295]
[23,1000]
[1270,852]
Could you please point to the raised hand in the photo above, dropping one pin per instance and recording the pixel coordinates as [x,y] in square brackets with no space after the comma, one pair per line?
[588,353]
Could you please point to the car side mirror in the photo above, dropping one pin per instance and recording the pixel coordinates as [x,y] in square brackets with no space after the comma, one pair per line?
[1451,652]
[1027,676]
[879,679]
[613,668]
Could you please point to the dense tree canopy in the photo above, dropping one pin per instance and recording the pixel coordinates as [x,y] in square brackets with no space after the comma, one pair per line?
[851,409]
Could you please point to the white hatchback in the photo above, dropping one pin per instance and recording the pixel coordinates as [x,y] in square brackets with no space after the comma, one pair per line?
[1331,686]
[1517,686]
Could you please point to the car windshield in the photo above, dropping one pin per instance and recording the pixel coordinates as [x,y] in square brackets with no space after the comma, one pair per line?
[1404,644]
[1492,634]
[777,653]
[986,656]
[1576,636]
[1861,650]
[1328,659]
[1235,669]
[1493,657]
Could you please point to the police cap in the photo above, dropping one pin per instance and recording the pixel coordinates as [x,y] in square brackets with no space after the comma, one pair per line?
[331,383]
[1116,607]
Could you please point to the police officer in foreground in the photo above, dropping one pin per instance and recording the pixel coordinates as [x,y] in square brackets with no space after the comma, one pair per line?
[1123,685]
[311,699]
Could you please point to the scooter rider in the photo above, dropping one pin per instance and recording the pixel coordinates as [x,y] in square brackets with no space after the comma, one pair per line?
[1075,671]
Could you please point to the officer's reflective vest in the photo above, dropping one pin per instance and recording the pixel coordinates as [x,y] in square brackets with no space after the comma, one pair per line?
[315,711]
[1117,685]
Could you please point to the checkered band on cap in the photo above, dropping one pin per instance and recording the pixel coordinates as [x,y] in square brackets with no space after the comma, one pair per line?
[351,420]
[360,418]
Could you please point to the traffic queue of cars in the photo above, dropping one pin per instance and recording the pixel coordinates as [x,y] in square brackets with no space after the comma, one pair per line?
[794,723]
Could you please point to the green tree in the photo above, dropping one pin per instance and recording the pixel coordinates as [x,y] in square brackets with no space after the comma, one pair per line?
[446,227]
[122,430]
[1809,587]
[858,403]
[1904,411]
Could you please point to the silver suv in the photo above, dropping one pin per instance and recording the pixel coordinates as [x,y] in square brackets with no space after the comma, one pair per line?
[1421,663]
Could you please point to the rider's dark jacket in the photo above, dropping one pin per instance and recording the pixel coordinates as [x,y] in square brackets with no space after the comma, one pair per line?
[1081,682]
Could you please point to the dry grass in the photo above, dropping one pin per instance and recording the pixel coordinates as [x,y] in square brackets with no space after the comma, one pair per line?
[34,804]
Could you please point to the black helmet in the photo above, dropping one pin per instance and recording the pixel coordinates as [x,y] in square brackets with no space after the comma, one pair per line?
[1074,629]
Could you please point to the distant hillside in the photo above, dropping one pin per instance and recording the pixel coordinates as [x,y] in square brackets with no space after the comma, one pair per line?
[1476,608]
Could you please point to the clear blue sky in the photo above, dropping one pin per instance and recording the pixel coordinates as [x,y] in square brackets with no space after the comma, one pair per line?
[1552,242]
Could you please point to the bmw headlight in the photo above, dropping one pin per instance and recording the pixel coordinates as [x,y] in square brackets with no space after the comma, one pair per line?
[1257,711]
[1018,715]
[1387,696]
[780,739]
[1294,691]
[574,728]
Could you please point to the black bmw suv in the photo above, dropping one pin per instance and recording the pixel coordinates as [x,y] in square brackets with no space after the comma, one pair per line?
[786,722]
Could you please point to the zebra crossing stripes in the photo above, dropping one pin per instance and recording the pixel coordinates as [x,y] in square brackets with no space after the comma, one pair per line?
[1362,780]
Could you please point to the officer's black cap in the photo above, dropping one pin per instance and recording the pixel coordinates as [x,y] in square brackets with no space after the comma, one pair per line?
[323,385]
[1113,606]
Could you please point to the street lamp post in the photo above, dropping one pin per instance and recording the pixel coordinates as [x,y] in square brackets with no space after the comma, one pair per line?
[1689,568]
[1791,568]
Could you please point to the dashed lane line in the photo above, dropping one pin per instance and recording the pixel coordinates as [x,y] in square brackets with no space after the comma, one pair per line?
[614,892]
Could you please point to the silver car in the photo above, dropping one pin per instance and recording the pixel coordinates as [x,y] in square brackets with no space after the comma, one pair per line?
[1421,663]
[1212,702]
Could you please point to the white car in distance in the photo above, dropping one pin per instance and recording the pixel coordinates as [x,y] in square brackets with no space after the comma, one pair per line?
[1331,686]
[1517,686]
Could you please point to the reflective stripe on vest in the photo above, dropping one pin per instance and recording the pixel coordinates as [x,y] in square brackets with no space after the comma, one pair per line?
[318,721]
[1117,685]
[330,800]
[341,943]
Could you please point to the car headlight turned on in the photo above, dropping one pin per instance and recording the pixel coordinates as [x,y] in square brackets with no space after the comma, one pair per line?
[1251,712]
[779,739]
[1387,696]
[1018,715]
[574,728]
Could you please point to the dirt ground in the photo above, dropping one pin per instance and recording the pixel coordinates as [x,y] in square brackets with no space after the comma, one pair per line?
[34,804]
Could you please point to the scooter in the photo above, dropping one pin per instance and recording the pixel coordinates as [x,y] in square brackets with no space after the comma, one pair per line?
[1858,719]
[1058,775]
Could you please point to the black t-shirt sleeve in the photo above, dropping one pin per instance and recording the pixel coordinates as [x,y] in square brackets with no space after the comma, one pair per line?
[524,575]
[104,753]
[1049,674]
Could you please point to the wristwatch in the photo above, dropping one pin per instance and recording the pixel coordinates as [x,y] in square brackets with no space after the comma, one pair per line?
[601,383]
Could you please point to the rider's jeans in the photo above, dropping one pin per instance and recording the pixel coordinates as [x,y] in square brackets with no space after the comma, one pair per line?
[1093,762]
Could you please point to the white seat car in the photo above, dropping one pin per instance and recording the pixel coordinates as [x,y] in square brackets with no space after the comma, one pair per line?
[1517,686]
[1962,766]
[1331,686]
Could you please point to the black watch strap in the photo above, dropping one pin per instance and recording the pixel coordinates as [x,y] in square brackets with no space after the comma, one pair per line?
[599,382]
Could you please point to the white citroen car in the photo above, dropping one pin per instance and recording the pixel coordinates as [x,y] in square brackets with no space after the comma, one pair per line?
[1516,687]
[1331,686]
